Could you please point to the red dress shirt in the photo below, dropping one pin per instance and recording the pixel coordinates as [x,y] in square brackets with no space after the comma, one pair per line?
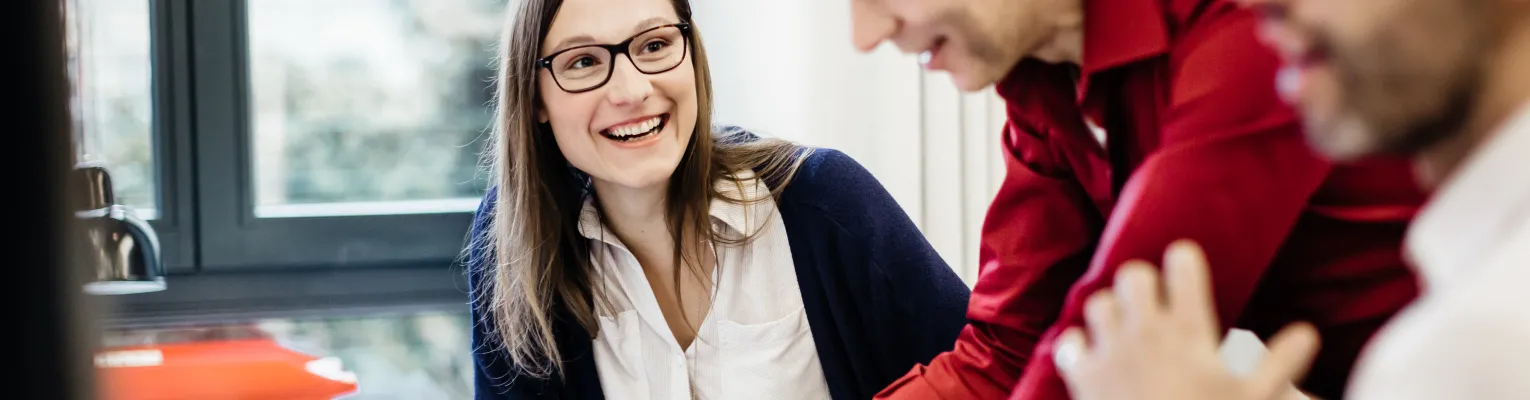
[1199,146]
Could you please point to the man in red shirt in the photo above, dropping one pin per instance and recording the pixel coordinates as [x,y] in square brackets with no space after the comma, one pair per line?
[1196,144]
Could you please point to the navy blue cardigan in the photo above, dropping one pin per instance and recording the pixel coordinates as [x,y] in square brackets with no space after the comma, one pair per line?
[878,299]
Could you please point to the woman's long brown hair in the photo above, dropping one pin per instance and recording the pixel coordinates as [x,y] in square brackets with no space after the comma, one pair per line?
[542,266]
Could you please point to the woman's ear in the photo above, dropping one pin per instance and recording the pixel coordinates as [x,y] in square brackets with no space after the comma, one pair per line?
[541,111]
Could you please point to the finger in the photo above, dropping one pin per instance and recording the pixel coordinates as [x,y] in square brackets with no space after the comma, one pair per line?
[1103,317]
[1137,290]
[1189,287]
[1070,349]
[1291,352]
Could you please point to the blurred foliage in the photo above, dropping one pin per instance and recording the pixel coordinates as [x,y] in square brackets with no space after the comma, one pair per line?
[375,123]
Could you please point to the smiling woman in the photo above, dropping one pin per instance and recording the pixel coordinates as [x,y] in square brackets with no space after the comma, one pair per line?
[630,247]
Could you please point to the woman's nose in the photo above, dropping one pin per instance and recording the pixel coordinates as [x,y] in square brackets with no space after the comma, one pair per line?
[627,85]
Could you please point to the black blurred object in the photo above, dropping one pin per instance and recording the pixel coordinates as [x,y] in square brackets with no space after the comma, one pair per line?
[47,320]
[120,251]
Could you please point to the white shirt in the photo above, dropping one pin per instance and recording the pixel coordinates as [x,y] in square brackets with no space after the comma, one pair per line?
[754,342]
[1468,334]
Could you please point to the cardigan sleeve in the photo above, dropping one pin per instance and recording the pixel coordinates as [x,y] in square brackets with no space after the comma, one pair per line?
[925,302]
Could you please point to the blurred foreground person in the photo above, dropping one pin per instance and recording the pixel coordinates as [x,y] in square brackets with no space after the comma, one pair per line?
[1444,81]
[1132,123]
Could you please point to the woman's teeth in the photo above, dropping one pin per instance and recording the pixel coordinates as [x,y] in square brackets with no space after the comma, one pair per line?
[634,130]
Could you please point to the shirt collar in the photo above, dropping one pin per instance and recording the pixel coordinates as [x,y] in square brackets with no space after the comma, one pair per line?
[741,209]
[1474,212]
[1117,32]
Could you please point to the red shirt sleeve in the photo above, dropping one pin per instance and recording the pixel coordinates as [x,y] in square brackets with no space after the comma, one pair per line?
[1036,240]
[1235,174]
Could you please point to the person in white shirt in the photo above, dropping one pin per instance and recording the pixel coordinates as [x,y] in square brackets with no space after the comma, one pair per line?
[629,249]
[1444,81]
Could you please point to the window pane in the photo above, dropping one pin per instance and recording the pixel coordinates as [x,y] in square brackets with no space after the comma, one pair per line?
[369,106]
[110,71]
[414,356]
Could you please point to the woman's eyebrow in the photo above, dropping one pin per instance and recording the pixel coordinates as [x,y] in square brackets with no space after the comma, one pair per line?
[650,23]
[581,40]
[573,41]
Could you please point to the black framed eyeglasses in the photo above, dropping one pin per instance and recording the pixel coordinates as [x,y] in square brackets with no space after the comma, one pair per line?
[588,67]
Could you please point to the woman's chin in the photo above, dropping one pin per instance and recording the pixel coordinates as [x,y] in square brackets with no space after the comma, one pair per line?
[641,177]
[646,169]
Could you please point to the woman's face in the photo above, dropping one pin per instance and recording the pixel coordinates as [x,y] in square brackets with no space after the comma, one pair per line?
[632,130]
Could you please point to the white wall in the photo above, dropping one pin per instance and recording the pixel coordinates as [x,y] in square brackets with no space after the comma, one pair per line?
[787,68]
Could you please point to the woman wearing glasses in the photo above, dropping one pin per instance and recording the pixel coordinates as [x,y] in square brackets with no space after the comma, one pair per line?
[631,250]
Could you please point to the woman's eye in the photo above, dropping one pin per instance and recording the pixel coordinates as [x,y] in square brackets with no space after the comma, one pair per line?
[581,63]
[655,46]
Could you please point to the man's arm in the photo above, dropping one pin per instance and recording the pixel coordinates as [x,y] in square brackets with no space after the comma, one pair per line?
[1036,241]
[1234,176]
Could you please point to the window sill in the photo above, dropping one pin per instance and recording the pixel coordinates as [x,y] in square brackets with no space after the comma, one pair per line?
[233,296]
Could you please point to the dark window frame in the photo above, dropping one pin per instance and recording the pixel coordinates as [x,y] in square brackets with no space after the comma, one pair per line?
[171,136]
[223,262]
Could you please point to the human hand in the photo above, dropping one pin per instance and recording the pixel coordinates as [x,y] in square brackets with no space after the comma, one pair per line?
[1142,343]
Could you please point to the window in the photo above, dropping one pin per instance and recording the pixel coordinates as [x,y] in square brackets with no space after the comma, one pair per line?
[110,64]
[352,130]
[367,106]
[295,157]
[310,168]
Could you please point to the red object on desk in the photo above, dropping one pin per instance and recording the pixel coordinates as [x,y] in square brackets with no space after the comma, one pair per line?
[257,369]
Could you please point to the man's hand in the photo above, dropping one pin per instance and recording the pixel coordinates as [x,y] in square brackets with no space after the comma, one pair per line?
[1142,343]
